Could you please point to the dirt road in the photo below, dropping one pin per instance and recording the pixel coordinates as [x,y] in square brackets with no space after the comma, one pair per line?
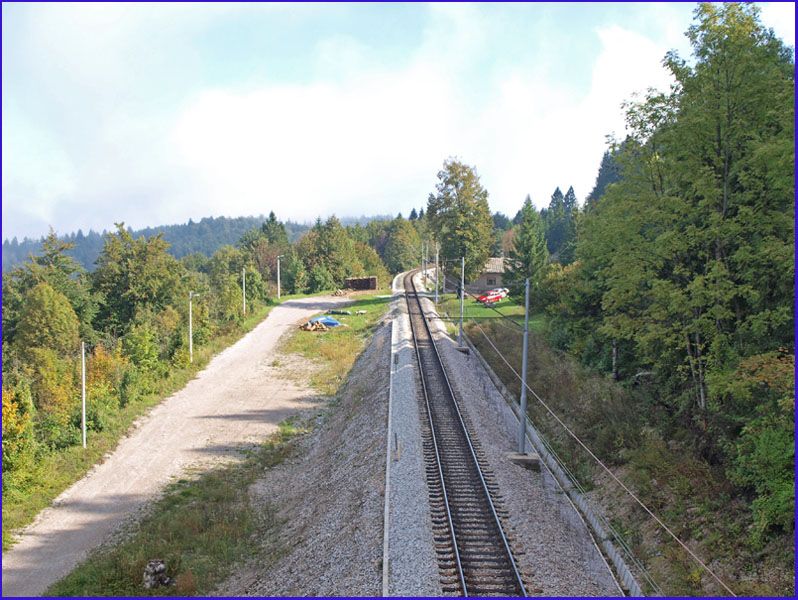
[235,401]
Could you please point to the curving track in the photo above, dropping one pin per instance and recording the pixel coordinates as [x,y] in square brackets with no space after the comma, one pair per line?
[475,557]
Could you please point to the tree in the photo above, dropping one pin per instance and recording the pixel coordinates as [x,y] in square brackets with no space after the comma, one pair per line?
[501,221]
[134,274]
[608,173]
[403,247]
[48,321]
[570,215]
[329,247]
[528,257]
[460,218]
[687,259]
[60,271]
[294,277]
[413,215]
[19,444]
[560,222]
[275,232]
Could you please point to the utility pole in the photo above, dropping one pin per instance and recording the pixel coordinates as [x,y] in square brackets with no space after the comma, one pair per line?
[83,390]
[437,273]
[244,287]
[462,299]
[278,275]
[190,329]
[522,416]
[424,264]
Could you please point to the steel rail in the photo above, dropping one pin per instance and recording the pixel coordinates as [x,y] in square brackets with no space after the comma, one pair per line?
[464,430]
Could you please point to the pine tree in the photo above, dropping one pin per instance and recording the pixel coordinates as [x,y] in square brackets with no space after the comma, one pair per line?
[275,231]
[528,257]
[608,173]
[413,215]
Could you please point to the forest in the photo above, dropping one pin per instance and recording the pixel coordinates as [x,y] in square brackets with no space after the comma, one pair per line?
[673,278]
[204,236]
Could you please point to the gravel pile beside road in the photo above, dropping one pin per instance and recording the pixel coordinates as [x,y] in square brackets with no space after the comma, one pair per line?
[330,497]
[560,557]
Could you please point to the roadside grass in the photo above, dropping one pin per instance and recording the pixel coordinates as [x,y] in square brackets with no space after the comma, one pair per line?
[56,471]
[476,311]
[337,348]
[200,527]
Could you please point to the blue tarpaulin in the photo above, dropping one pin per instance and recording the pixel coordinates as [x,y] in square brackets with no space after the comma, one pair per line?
[325,320]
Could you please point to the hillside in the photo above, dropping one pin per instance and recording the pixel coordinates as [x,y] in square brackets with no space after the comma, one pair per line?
[204,236]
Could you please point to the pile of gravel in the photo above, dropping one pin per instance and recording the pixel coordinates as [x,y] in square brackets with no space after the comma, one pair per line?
[329,497]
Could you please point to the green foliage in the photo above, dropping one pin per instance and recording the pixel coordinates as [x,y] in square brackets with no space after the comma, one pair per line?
[684,262]
[765,451]
[608,174]
[47,320]
[19,445]
[134,274]
[528,257]
[56,269]
[560,224]
[141,346]
[330,254]
[459,216]
[320,279]
[402,249]
[294,277]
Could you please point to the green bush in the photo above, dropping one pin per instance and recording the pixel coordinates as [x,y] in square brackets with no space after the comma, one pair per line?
[141,347]
[765,462]
[320,279]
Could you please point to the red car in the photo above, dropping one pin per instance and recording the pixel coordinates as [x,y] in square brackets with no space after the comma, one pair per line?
[493,296]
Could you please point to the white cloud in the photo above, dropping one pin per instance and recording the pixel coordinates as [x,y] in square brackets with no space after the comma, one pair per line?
[373,143]
[781,17]
[365,139]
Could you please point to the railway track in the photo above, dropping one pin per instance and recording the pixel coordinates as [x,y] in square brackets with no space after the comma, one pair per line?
[475,555]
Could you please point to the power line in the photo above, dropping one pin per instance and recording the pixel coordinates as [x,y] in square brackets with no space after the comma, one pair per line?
[603,466]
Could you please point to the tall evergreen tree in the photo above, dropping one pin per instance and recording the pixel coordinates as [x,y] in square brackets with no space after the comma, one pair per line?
[529,256]
[608,173]
[275,231]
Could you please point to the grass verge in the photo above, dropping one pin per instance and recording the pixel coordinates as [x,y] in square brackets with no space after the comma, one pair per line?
[337,349]
[200,528]
[56,471]
[473,310]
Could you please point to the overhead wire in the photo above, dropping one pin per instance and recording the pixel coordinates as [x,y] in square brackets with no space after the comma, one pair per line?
[606,469]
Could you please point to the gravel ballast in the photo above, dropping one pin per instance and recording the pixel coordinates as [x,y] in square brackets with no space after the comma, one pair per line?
[412,566]
[329,497]
[560,556]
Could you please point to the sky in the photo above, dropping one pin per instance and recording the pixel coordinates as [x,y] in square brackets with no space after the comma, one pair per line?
[154,113]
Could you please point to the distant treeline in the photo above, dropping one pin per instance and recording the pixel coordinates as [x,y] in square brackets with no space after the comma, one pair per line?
[205,237]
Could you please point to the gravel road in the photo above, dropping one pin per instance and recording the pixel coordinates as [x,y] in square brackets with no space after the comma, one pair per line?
[329,497]
[237,400]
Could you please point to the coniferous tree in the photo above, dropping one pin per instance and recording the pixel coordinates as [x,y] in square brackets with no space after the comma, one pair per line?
[608,173]
[529,256]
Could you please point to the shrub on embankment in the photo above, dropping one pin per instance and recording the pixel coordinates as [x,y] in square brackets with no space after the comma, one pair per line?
[714,508]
